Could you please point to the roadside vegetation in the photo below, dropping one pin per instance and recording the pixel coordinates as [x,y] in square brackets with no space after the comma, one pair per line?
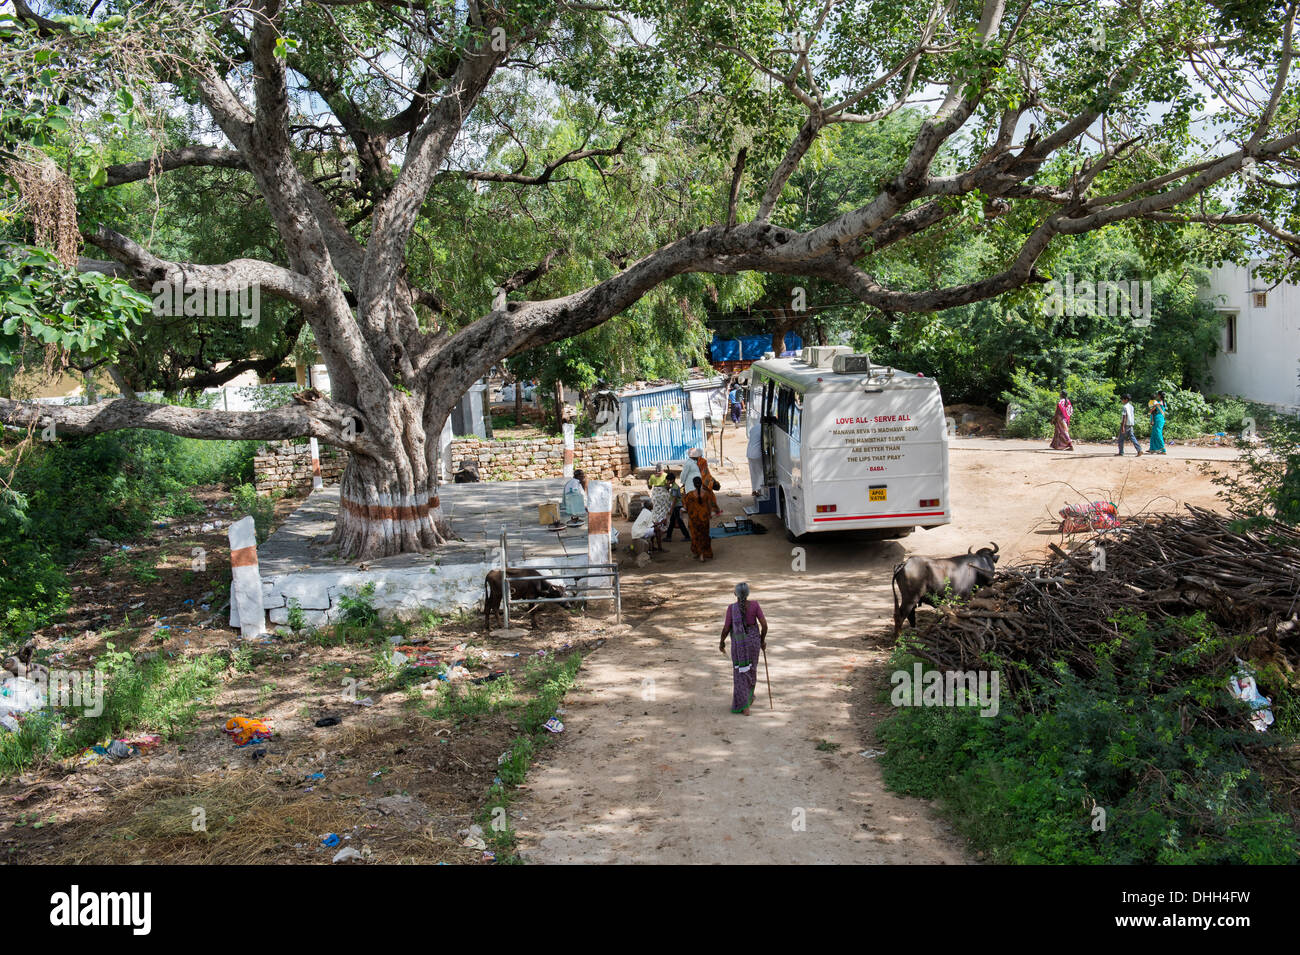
[56,496]
[1141,755]
[1111,769]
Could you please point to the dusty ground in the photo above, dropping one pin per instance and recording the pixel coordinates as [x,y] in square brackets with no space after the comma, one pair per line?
[654,767]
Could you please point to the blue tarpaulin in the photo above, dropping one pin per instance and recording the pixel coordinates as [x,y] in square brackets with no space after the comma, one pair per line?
[748,347]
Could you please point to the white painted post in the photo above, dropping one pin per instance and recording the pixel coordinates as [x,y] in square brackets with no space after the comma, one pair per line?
[600,497]
[246,611]
[316,479]
[568,452]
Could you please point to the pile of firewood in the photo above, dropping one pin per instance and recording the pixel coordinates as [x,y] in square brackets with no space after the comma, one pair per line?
[1246,582]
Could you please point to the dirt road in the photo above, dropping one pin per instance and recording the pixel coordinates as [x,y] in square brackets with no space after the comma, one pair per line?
[654,768]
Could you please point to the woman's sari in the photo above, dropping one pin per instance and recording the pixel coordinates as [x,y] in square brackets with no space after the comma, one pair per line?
[746,646]
[1157,428]
[1061,426]
[698,514]
[707,480]
[661,504]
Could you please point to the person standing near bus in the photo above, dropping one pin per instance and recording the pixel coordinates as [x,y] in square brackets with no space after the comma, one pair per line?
[675,509]
[710,484]
[698,513]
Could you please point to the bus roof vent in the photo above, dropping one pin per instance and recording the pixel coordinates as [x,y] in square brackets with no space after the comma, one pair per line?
[823,356]
[851,364]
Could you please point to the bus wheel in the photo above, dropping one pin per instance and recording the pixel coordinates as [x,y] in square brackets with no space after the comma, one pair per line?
[790,535]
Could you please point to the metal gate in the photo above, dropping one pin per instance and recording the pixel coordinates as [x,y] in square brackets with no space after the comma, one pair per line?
[603,583]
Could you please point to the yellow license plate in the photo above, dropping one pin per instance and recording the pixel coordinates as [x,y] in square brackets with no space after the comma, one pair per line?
[877,494]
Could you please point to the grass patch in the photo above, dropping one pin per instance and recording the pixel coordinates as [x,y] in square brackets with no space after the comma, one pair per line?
[550,680]
[155,696]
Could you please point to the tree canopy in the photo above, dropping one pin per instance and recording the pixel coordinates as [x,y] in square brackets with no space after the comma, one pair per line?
[432,187]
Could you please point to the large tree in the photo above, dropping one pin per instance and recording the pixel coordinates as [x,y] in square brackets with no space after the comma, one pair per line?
[1044,120]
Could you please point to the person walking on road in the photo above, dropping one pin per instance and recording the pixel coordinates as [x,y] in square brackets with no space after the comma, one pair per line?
[1126,427]
[747,627]
[1159,411]
[1061,425]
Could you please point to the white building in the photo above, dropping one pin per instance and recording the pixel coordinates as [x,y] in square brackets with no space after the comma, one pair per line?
[1259,344]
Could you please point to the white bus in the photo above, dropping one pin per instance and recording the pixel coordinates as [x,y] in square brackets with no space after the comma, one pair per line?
[862,448]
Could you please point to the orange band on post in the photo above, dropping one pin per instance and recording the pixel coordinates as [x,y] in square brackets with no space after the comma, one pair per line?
[243,557]
[598,523]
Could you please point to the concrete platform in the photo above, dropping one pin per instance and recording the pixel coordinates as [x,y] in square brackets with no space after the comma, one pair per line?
[298,562]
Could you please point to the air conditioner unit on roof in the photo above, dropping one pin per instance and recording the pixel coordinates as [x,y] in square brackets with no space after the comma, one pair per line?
[822,356]
[851,364]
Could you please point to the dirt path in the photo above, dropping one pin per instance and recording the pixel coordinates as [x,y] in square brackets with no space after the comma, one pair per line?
[655,769]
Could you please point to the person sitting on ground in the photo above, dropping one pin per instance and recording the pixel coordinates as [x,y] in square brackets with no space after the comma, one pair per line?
[575,497]
[646,528]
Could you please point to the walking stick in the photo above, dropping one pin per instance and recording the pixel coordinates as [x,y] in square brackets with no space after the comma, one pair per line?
[768,674]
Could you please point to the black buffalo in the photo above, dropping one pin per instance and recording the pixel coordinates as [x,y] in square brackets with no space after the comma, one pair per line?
[525,584]
[917,577]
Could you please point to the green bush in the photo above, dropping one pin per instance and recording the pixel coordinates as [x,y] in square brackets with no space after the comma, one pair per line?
[1267,485]
[150,696]
[1169,768]
[111,486]
[261,507]
[1096,408]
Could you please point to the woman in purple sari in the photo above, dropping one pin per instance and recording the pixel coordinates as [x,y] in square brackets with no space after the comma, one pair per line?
[1061,425]
[747,627]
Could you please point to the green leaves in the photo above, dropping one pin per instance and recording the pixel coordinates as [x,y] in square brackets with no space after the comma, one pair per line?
[84,313]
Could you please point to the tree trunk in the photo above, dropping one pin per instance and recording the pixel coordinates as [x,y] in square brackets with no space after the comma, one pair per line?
[388,502]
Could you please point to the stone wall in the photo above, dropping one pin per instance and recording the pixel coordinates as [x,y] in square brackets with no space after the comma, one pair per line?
[603,457]
[281,466]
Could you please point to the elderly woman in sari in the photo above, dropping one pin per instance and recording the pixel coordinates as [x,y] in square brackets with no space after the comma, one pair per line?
[699,504]
[747,627]
[1061,425]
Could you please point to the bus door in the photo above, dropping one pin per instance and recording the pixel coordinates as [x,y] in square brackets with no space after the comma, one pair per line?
[769,432]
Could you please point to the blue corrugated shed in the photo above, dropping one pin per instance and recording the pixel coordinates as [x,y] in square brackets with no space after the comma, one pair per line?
[748,347]
[660,426]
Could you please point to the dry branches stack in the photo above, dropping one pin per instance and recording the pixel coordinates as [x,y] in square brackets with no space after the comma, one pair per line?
[1246,582]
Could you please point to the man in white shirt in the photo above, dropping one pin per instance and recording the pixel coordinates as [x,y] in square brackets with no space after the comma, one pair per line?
[1126,427]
